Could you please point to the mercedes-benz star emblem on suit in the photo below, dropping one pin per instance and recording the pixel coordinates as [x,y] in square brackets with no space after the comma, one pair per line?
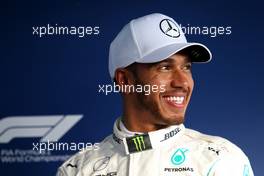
[169,28]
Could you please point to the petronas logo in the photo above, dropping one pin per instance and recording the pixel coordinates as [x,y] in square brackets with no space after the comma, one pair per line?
[179,156]
[139,143]
[246,171]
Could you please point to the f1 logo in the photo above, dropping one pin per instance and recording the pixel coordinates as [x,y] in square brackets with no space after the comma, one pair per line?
[50,128]
[169,28]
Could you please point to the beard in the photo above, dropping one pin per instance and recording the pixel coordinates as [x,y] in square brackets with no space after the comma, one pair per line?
[151,107]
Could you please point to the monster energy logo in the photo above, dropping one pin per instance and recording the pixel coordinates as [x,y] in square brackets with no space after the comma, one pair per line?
[138,143]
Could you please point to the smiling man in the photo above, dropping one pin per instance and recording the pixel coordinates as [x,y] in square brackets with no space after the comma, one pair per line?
[149,139]
[145,113]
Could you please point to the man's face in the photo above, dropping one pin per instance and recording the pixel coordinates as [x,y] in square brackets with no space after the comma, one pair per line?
[174,75]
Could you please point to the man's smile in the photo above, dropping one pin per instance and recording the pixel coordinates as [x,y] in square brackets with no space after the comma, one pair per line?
[176,100]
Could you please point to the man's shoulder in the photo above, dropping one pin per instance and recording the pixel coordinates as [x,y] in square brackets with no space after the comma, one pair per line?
[215,143]
[223,156]
[196,135]
[78,161]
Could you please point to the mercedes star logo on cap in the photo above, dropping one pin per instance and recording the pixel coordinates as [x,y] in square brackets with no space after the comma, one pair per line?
[169,28]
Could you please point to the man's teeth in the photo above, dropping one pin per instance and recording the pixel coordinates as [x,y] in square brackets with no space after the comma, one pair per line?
[176,100]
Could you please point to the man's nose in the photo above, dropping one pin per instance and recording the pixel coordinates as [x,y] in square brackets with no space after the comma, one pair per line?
[179,79]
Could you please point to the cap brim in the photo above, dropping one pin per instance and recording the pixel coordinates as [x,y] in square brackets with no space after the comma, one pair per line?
[198,53]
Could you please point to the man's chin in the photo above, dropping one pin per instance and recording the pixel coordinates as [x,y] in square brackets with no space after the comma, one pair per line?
[173,120]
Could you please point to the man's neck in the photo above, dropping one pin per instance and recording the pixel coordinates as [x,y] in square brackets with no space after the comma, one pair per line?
[140,122]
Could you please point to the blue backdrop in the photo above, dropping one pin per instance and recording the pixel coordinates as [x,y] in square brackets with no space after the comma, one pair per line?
[60,74]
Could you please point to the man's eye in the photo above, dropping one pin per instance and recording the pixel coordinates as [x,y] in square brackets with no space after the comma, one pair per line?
[187,67]
[165,67]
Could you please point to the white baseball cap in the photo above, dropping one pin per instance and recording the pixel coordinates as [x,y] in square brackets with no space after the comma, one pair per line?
[151,38]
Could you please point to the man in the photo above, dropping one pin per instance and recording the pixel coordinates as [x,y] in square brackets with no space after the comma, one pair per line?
[150,138]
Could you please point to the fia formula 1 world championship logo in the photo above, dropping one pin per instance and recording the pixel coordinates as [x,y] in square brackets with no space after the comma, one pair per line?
[49,128]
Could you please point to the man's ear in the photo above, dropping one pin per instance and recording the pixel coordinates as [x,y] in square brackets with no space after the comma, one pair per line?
[123,77]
